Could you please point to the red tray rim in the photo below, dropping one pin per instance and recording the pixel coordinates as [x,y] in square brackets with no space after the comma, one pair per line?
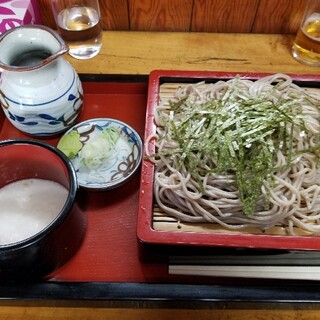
[145,232]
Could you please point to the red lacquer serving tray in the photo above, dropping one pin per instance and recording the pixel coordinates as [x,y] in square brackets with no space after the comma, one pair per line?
[110,264]
[149,234]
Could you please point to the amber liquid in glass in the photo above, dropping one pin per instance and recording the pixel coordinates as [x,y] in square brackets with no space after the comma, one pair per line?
[306,46]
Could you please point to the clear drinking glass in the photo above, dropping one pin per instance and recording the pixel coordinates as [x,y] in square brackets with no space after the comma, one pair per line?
[306,46]
[78,23]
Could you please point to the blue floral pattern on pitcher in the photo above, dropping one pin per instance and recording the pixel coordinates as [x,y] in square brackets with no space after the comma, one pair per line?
[60,123]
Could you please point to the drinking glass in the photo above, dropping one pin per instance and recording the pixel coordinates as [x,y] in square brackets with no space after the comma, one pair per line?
[78,23]
[306,45]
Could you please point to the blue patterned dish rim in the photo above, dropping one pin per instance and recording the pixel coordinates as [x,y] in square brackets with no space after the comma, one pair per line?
[121,163]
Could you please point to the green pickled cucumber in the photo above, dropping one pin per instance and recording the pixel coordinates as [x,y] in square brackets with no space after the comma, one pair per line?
[70,144]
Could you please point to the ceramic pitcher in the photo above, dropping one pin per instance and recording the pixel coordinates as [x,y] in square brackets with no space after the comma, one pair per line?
[40,92]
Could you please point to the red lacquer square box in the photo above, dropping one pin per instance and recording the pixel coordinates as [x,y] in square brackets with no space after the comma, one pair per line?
[162,230]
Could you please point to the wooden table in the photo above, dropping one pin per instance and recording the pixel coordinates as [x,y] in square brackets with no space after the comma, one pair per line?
[134,53]
[141,52]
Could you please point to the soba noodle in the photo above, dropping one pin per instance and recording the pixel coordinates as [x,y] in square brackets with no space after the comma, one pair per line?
[269,129]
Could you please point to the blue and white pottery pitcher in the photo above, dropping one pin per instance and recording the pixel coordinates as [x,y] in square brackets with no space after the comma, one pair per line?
[40,92]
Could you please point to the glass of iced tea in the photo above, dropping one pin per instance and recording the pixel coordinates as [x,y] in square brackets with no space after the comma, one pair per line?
[306,46]
[78,23]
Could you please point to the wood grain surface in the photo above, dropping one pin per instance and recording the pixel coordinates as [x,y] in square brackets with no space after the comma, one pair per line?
[163,15]
[223,313]
[224,16]
[274,16]
[138,53]
[256,16]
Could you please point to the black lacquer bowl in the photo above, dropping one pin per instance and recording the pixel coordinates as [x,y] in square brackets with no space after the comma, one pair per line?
[40,254]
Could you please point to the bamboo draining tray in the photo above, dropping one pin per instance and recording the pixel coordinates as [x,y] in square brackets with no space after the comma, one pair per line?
[156,226]
[162,222]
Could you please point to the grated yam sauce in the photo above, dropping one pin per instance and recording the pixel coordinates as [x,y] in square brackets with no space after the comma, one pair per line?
[28,206]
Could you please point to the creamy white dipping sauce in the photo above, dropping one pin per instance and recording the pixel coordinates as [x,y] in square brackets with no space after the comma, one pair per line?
[28,206]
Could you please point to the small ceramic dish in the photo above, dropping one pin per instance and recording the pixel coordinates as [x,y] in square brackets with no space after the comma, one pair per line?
[104,152]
